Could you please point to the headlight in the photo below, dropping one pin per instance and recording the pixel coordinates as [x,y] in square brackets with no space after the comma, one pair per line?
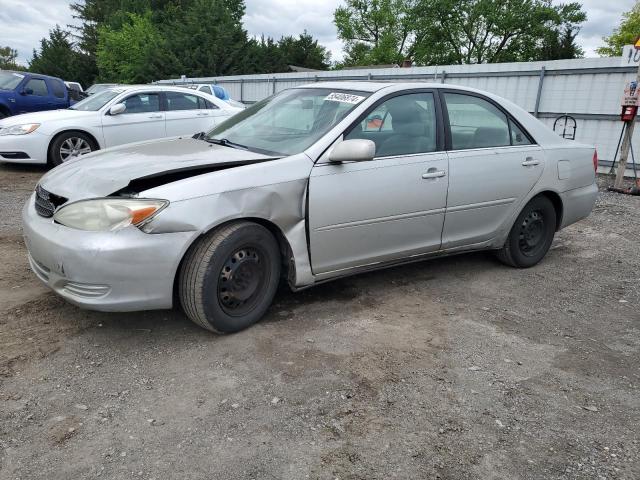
[19,129]
[108,214]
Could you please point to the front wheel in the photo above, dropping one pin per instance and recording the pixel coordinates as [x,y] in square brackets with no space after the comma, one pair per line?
[229,278]
[70,145]
[531,235]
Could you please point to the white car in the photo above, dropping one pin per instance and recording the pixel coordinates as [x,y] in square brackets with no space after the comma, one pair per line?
[115,116]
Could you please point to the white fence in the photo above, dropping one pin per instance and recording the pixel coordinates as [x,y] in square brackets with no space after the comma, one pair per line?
[588,89]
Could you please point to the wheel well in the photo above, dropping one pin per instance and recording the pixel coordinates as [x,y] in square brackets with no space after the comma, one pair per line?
[557,205]
[5,109]
[55,137]
[288,266]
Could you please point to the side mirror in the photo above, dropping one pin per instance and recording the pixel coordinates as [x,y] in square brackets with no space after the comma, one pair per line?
[356,150]
[117,109]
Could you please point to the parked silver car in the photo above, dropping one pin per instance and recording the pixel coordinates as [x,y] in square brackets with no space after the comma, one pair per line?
[315,183]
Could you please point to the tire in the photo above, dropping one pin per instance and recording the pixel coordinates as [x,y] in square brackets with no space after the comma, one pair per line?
[229,277]
[531,235]
[3,114]
[75,143]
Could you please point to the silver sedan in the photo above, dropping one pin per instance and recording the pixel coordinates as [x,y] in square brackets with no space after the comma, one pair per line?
[309,185]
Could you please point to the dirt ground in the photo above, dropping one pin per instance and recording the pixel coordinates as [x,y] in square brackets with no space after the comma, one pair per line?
[457,368]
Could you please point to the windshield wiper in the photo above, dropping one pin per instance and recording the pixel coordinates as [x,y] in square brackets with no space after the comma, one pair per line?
[225,142]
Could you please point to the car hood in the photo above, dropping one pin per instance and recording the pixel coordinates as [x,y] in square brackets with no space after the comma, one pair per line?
[108,171]
[46,116]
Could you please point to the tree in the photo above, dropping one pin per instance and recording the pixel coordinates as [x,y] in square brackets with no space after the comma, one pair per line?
[58,57]
[625,34]
[8,58]
[127,54]
[455,31]
[304,51]
[208,39]
[377,31]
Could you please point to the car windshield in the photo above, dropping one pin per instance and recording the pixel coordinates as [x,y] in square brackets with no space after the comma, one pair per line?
[289,122]
[10,80]
[96,102]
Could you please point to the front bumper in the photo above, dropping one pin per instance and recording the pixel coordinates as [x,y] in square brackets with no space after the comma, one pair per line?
[33,145]
[126,270]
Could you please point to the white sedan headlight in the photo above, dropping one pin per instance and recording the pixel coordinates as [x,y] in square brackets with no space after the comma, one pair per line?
[108,214]
[19,129]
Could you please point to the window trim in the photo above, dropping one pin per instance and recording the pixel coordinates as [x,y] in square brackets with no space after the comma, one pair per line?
[440,134]
[510,118]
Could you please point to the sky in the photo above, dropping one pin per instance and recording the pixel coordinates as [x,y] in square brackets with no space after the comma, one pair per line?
[24,23]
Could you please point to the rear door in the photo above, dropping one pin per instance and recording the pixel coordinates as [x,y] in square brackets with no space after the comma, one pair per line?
[59,97]
[187,114]
[392,207]
[141,120]
[493,164]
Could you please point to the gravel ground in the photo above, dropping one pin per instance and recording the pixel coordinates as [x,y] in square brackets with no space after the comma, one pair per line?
[457,368]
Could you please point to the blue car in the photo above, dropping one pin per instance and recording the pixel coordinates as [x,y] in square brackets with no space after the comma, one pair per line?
[24,92]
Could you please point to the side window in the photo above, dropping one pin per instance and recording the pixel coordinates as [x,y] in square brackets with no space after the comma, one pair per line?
[206,104]
[402,125]
[182,101]
[518,137]
[205,89]
[476,123]
[58,88]
[142,103]
[38,86]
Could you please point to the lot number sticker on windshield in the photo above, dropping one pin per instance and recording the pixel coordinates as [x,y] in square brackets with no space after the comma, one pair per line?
[344,98]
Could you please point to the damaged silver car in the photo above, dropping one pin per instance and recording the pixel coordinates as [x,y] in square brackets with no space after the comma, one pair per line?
[312,184]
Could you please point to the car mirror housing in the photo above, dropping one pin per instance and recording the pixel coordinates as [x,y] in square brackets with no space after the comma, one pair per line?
[356,150]
[117,109]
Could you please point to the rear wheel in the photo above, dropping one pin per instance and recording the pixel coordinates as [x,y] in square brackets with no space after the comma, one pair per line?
[531,235]
[229,278]
[70,145]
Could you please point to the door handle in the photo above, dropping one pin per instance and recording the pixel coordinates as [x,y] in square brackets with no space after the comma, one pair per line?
[433,173]
[155,116]
[530,162]
[202,114]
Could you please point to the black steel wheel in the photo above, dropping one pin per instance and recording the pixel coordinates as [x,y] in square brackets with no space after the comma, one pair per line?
[228,279]
[241,281]
[532,234]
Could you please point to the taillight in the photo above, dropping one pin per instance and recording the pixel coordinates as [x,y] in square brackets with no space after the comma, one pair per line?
[595,160]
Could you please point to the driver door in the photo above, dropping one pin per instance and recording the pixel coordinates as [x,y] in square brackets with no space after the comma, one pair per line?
[392,207]
[142,120]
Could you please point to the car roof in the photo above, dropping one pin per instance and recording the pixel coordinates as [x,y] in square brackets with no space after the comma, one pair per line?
[32,74]
[368,86]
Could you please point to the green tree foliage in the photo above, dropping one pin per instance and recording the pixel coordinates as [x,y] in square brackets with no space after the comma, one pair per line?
[144,40]
[457,31]
[8,58]
[58,57]
[127,54]
[625,34]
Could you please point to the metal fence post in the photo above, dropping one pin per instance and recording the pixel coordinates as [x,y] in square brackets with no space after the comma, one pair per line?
[242,90]
[539,96]
[444,75]
[274,84]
